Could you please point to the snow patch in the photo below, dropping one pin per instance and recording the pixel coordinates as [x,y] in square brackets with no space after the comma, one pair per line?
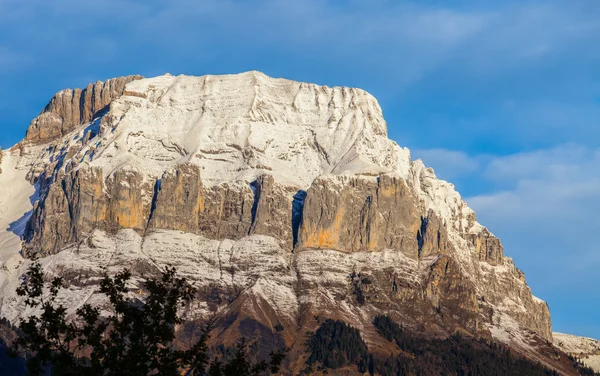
[587,349]
[575,344]
[17,196]
[507,330]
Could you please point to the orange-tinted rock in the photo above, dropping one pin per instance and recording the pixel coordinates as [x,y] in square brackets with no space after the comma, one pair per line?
[449,290]
[361,215]
[81,201]
[179,200]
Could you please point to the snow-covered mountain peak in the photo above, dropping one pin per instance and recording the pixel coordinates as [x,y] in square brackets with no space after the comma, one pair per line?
[237,127]
[296,173]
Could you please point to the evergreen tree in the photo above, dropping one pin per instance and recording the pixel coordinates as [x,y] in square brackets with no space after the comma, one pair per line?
[137,338]
[336,344]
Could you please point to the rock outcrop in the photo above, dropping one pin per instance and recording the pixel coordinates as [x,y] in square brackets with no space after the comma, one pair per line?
[183,203]
[447,288]
[272,212]
[358,214]
[70,108]
[488,246]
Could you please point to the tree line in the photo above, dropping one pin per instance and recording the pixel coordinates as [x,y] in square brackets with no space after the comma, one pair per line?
[337,345]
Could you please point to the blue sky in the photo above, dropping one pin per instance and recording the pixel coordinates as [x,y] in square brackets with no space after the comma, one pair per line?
[501,97]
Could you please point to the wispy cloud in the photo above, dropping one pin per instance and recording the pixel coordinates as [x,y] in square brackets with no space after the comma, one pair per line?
[402,40]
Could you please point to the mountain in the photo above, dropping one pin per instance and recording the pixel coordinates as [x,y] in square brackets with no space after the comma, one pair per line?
[285,202]
[586,349]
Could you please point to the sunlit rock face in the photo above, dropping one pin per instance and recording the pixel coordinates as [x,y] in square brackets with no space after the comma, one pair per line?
[70,108]
[282,200]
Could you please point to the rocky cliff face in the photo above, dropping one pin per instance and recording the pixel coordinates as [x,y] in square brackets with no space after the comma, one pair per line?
[358,214]
[283,200]
[70,108]
[84,200]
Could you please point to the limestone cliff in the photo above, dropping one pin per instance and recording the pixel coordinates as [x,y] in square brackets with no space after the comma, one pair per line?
[84,200]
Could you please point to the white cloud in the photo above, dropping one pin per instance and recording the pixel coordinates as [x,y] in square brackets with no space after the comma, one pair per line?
[565,163]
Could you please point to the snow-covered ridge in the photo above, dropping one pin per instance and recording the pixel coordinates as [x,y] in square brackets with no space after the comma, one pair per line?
[576,345]
[586,349]
[16,198]
[237,127]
